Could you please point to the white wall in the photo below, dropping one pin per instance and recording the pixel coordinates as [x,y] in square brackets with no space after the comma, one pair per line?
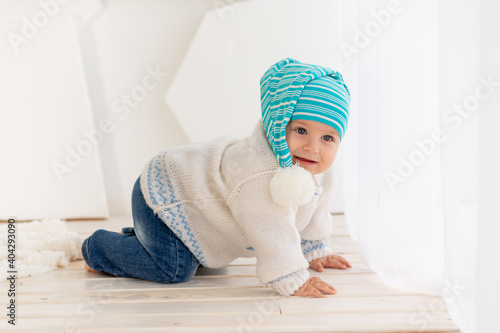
[44,107]
[234,47]
[122,42]
[118,46]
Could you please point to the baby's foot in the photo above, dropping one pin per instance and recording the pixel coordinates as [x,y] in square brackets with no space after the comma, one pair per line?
[87,267]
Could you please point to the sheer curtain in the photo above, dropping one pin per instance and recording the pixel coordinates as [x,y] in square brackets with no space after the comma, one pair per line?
[424,94]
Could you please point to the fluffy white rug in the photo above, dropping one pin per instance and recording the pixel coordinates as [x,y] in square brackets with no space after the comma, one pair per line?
[41,246]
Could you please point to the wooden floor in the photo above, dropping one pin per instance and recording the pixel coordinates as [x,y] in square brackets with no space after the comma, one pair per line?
[230,299]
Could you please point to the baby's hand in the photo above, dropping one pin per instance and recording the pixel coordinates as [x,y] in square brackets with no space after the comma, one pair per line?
[332,261]
[315,287]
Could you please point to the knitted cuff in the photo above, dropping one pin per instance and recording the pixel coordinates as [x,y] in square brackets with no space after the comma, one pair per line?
[288,284]
[315,249]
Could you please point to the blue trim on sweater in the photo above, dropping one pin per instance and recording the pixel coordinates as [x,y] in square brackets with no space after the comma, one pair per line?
[174,215]
[284,277]
[309,246]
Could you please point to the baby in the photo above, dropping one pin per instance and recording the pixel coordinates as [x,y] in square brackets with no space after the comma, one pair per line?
[265,196]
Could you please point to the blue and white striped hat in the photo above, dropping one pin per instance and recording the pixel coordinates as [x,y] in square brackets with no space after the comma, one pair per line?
[293,90]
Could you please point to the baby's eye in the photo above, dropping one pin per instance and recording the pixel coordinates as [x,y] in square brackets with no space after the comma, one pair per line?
[328,138]
[300,130]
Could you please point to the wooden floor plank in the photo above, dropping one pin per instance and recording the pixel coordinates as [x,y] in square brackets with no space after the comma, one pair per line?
[201,294]
[177,308]
[258,320]
[113,283]
[193,295]
[279,304]
[138,296]
[359,304]
[228,271]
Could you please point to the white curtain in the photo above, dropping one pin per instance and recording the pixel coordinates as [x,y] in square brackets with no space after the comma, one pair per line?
[425,93]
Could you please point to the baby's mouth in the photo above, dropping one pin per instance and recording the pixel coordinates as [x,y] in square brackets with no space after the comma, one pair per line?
[305,160]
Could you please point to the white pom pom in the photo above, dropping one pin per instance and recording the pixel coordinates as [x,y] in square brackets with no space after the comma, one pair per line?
[293,186]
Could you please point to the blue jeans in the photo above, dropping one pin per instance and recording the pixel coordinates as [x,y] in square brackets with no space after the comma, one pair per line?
[149,250]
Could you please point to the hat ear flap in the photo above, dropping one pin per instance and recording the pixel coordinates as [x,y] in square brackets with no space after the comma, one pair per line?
[293,186]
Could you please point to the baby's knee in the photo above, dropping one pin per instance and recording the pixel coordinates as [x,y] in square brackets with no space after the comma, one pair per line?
[171,276]
[184,277]
[168,278]
[185,273]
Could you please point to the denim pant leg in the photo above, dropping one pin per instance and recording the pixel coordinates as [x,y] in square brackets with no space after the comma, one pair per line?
[164,247]
[149,251]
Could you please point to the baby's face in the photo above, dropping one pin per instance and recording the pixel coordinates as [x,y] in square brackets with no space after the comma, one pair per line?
[313,145]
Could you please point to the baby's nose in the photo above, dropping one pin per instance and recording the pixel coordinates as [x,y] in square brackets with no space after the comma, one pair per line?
[311,146]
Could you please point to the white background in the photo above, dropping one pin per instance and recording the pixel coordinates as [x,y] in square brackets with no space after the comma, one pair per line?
[212,54]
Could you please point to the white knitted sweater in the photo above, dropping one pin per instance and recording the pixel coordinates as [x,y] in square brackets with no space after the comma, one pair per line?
[215,196]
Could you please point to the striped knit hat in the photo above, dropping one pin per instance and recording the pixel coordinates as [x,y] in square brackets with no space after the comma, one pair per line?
[293,90]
